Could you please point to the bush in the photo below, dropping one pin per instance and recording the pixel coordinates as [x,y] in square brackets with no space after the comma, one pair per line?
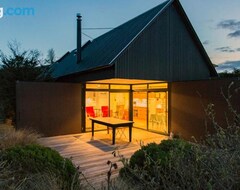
[33,160]
[145,165]
[159,153]
[152,150]
[176,164]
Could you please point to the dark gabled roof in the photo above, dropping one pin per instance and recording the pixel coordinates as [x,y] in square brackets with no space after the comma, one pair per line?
[102,51]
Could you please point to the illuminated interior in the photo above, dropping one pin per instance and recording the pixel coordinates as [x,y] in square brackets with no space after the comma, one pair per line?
[95,101]
[140,109]
[148,107]
[157,112]
[119,105]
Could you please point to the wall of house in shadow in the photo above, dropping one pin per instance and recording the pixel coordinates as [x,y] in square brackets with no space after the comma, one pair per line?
[189,100]
[49,108]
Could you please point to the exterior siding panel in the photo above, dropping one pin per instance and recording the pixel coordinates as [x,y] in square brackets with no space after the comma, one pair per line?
[189,99]
[49,108]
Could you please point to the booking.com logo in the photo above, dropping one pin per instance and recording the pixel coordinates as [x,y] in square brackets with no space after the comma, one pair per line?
[17,11]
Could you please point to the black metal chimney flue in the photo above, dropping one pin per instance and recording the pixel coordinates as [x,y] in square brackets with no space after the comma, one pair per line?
[79,38]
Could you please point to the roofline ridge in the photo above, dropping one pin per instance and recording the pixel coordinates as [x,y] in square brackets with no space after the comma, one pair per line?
[170,2]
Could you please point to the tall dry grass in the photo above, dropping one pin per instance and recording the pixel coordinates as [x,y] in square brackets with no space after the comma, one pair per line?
[12,179]
[18,137]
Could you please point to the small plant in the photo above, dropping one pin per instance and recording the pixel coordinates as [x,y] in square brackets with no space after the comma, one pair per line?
[112,165]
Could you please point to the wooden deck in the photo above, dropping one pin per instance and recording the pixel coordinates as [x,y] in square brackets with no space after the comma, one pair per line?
[92,155]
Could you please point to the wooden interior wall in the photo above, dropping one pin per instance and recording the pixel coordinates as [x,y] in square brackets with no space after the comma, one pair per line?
[49,108]
[189,99]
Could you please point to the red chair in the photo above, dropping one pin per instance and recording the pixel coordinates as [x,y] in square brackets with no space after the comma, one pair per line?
[90,111]
[104,111]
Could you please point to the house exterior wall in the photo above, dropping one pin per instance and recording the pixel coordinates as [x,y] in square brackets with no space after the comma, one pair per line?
[49,108]
[166,50]
[189,99]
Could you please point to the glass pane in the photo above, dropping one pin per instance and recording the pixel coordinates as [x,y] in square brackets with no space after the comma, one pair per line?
[140,109]
[97,86]
[119,105]
[120,87]
[158,86]
[96,106]
[158,112]
[139,87]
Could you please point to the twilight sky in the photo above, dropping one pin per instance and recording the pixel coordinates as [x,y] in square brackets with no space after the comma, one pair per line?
[52,23]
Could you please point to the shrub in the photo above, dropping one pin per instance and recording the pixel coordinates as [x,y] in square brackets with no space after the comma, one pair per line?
[18,137]
[147,164]
[34,160]
[159,153]
[181,165]
[176,164]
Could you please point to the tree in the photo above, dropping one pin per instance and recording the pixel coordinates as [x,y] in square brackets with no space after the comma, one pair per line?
[234,73]
[18,66]
[51,58]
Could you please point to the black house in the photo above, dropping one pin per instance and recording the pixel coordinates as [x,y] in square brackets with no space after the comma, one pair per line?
[130,73]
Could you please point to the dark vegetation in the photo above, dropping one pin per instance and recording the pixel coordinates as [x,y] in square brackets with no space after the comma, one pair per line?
[24,164]
[20,65]
[33,159]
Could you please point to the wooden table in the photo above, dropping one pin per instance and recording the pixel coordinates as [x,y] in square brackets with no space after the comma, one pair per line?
[113,123]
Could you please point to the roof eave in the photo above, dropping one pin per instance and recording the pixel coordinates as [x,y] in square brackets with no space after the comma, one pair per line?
[81,72]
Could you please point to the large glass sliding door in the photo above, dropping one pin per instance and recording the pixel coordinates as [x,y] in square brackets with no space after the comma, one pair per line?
[140,109]
[158,112]
[95,101]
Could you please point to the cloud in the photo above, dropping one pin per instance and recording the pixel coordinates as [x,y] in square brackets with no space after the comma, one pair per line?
[232,25]
[235,34]
[238,49]
[228,66]
[229,24]
[206,42]
[225,49]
